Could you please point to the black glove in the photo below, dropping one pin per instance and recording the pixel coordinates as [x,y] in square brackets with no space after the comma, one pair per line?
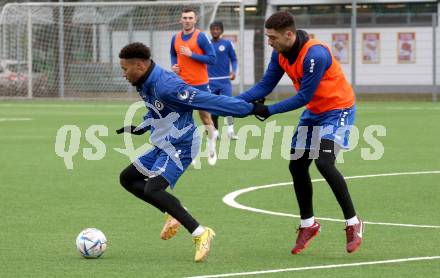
[130,129]
[260,110]
[261,100]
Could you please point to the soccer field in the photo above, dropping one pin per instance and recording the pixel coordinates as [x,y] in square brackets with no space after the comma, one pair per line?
[44,206]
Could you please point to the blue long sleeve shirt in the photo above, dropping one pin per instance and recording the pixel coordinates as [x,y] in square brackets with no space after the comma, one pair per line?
[165,93]
[203,42]
[226,60]
[317,60]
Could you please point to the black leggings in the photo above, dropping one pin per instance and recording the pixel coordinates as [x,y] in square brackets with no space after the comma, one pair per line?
[325,162]
[153,191]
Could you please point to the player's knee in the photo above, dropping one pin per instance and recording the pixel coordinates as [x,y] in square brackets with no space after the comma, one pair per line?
[124,179]
[325,163]
[154,185]
[295,167]
[205,117]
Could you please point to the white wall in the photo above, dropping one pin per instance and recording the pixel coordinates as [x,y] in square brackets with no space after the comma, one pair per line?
[160,48]
[387,72]
[313,2]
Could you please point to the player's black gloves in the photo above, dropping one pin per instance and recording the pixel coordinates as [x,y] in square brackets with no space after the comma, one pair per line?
[260,110]
[130,129]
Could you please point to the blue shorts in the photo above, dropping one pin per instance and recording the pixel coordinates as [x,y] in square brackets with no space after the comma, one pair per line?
[221,87]
[204,87]
[333,125]
[157,162]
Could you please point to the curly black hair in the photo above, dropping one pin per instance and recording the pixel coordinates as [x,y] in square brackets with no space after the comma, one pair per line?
[135,50]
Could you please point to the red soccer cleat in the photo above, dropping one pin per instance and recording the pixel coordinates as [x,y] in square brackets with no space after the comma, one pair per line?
[354,236]
[305,235]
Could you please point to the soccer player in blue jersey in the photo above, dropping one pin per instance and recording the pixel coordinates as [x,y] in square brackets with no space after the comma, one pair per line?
[324,125]
[170,103]
[191,51]
[223,71]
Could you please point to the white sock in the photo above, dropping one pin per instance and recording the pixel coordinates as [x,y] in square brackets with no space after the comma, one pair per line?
[216,134]
[230,128]
[352,221]
[307,222]
[198,231]
[211,144]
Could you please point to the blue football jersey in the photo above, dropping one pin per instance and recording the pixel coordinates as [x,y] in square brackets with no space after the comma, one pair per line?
[226,60]
[170,103]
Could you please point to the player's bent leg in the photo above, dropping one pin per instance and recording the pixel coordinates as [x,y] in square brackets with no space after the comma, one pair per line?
[299,169]
[155,190]
[133,181]
[214,119]
[231,132]
[207,121]
[205,117]
[326,166]
[302,183]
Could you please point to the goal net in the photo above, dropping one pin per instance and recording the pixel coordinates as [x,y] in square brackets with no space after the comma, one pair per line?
[71,49]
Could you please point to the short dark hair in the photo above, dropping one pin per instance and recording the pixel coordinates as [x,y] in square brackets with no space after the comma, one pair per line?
[280,21]
[216,23]
[135,50]
[189,9]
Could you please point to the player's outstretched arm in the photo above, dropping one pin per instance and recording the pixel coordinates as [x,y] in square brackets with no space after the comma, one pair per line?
[313,73]
[192,98]
[271,77]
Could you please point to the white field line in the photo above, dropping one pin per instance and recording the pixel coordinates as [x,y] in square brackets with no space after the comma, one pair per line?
[229,199]
[14,119]
[318,267]
[66,105]
[397,108]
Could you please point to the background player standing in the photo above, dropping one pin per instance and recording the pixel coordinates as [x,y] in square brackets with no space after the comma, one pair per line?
[191,51]
[224,70]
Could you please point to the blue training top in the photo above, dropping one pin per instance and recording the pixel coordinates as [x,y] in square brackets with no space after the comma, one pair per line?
[310,81]
[226,57]
[165,93]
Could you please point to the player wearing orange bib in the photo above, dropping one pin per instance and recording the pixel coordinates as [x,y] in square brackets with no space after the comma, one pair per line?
[191,51]
[324,125]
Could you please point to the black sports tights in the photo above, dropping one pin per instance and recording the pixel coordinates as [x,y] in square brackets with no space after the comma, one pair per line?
[325,162]
[215,120]
[153,191]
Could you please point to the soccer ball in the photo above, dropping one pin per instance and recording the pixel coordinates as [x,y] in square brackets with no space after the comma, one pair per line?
[91,243]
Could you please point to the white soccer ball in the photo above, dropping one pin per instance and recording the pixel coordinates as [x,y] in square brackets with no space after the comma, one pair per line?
[91,243]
